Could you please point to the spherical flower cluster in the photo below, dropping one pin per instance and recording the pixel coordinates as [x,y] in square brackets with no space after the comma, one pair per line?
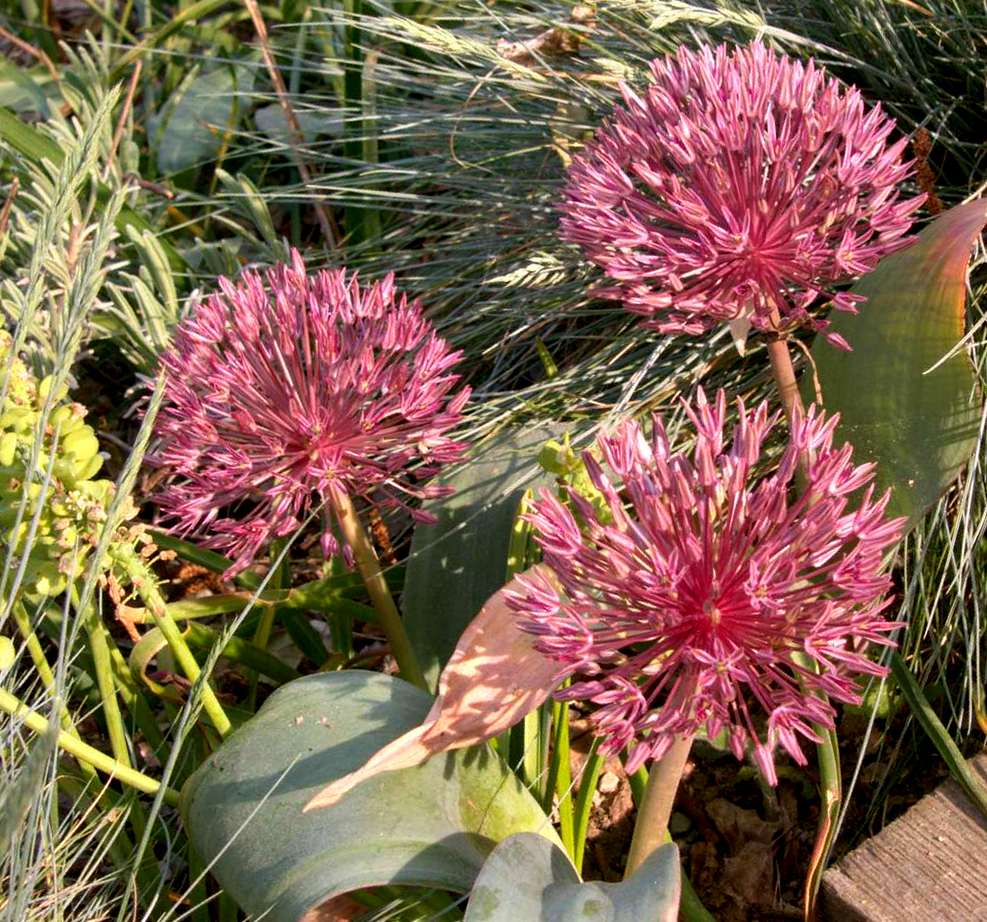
[701,597]
[286,390]
[741,184]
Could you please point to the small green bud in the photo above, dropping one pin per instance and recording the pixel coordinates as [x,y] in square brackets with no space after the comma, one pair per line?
[82,444]
[7,653]
[8,448]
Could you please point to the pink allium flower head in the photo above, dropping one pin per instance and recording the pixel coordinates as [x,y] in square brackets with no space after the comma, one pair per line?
[739,184]
[286,389]
[706,598]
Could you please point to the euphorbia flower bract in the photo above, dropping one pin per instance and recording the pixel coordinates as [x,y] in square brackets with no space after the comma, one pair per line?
[701,597]
[287,388]
[739,184]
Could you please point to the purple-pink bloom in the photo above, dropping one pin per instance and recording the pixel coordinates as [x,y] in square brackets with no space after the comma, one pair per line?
[703,597]
[287,389]
[739,184]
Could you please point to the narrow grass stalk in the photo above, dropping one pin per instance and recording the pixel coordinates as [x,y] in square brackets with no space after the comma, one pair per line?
[387,612]
[562,773]
[930,723]
[84,752]
[584,802]
[296,140]
[651,825]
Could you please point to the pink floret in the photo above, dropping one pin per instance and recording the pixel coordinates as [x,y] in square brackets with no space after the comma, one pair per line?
[704,597]
[287,388]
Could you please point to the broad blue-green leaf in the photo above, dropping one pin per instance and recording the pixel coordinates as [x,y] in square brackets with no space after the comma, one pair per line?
[432,825]
[272,121]
[24,90]
[528,878]
[903,403]
[190,127]
[461,561]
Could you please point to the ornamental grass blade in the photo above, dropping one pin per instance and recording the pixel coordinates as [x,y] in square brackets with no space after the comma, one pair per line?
[429,826]
[456,564]
[17,798]
[907,395]
[930,722]
[527,877]
[494,677]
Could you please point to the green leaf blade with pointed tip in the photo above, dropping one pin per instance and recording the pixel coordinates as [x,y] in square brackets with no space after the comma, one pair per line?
[903,404]
[430,826]
[461,561]
[528,878]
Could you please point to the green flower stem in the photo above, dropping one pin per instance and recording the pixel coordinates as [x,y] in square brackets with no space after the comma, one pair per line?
[827,751]
[37,654]
[691,908]
[387,612]
[134,699]
[100,644]
[831,792]
[84,752]
[279,580]
[180,650]
[43,670]
[651,824]
[103,667]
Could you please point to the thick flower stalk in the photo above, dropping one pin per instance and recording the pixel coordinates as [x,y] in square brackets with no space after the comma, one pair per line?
[740,185]
[703,597]
[288,394]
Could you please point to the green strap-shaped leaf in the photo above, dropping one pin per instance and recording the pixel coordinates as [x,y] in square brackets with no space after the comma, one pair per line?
[528,878]
[903,403]
[461,561]
[432,826]
[189,129]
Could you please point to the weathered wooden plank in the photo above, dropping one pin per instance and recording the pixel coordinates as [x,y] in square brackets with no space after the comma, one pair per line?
[929,865]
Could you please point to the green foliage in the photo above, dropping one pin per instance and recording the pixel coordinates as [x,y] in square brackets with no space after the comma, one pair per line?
[430,826]
[456,564]
[527,877]
[52,508]
[436,136]
[906,394]
[192,124]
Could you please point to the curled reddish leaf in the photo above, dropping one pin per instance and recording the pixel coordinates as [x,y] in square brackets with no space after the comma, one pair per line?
[494,677]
